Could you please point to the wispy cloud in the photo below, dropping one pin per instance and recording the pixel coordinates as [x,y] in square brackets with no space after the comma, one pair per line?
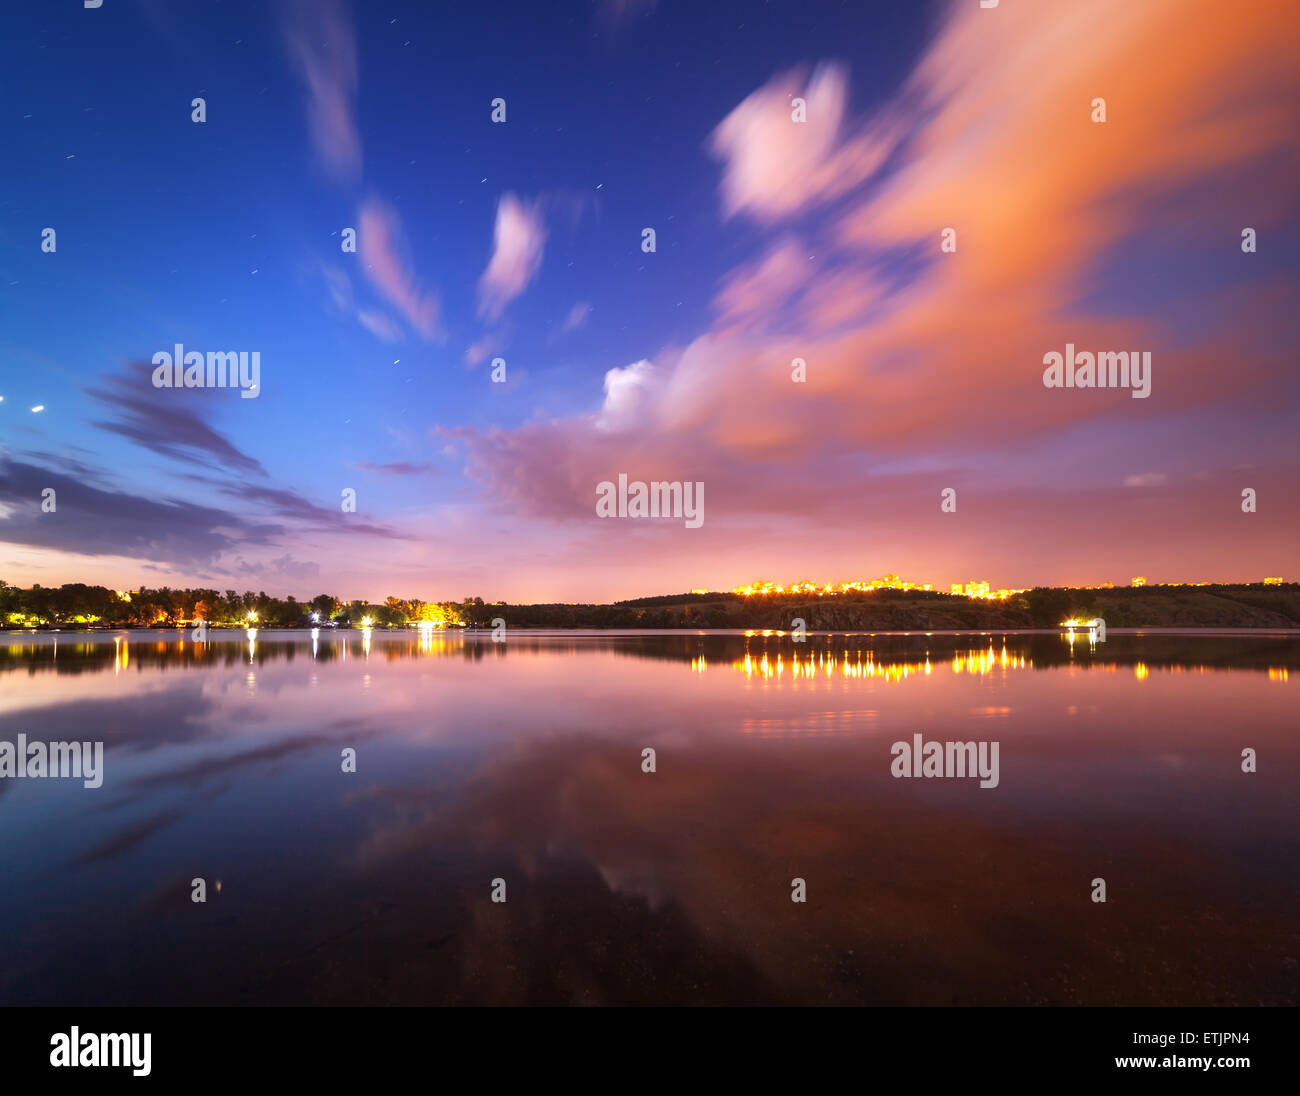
[480,349]
[307,515]
[166,421]
[776,165]
[382,247]
[322,49]
[395,468]
[519,239]
[380,324]
[1146,479]
[106,521]
[577,318]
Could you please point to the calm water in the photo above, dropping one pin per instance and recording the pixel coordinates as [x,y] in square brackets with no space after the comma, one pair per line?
[523,761]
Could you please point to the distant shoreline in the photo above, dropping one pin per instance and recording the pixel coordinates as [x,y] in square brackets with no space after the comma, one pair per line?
[1255,606]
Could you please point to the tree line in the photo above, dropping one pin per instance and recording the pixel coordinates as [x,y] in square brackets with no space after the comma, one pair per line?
[1221,604]
[75,603]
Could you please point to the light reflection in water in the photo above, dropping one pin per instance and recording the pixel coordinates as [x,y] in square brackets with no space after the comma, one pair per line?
[865,664]
[773,659]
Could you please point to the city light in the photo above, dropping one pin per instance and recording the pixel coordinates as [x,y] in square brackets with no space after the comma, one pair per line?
[866,586]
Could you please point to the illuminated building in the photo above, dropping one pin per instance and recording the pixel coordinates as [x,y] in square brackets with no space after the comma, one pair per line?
[866,586]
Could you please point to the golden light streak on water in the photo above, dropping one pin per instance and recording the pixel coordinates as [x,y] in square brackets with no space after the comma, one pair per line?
[860,667]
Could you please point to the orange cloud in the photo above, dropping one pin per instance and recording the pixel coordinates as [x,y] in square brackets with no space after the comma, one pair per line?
[912,352]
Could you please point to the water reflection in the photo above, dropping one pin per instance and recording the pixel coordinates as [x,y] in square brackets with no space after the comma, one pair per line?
[768,655]
[523,760]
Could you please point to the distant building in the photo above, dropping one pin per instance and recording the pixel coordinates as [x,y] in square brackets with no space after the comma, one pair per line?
[1272,582]
[1139,581]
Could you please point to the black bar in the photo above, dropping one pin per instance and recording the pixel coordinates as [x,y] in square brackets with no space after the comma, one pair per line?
[612,1046]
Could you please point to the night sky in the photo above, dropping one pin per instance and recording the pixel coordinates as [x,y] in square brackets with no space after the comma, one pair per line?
[775,240]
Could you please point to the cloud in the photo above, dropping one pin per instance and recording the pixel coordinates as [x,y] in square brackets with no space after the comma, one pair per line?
[381,246]
[780,274]
[165,421]
[519,239]
[106,521]
[775,166]
[397,468]
[380,325]
[916,357]
[339,286]
[98,521]
[578,316]
[625,394]
[128,837]
[323,52]
[307,515]
[195,773]
[283,569]
[480,349]
[1146,479]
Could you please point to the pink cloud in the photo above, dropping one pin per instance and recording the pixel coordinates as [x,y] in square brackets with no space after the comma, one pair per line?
[480,349]
[751,292]
[380,240]
[519,239]
[937,364]
[791,286]
[577,317]
[323,51]
[775,166]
